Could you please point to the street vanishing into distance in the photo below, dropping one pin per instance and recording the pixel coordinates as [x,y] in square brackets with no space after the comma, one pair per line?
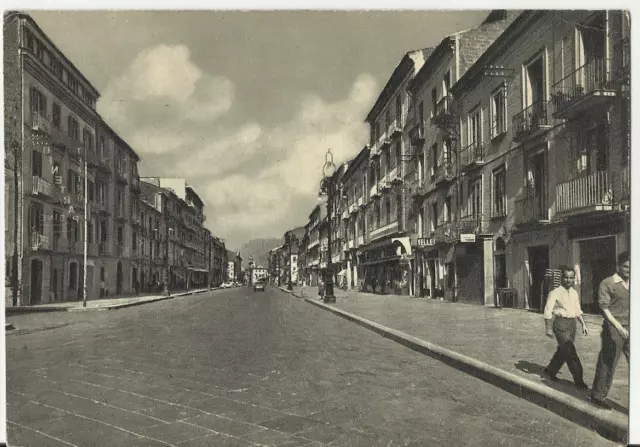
[242,368]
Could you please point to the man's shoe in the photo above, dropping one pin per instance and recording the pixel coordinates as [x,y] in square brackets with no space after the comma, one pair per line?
[582,386]
[600,404]
[546,375]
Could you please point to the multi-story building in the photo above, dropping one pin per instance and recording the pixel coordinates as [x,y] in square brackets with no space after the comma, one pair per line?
[434,138]
[545,128]
[218,255]
[312,229]
[291,249]
[353,214]
[384,259]
[151,240]
[54,172]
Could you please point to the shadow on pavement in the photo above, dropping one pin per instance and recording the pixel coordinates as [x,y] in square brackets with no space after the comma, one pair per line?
[528,367]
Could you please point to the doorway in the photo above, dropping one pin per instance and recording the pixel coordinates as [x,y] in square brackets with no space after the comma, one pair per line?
[597,261]
[119,279]
[431,291]
[36,281]
[538,265]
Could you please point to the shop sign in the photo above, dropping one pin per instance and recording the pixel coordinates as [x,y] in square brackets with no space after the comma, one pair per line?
[425,242]
[467,237]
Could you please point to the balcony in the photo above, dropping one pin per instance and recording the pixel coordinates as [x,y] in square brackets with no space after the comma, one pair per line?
[92,249]
[374,192]
[531,122]
[444,233]
[384,141]
[384,230]
[40,242]
[41,187]
[361,202]
[350,244]
[385,185]
[470,224]
[353,208]
[104,249]
[360,241]
[395,128]
[443,115]
[531,209]
[345,214]
[587,194]
[395,176]
[100,207]
[120,176]
[40,124]
[445,173]
[416,133]
[104,164]
[588,87]
[92,158]
[472,156]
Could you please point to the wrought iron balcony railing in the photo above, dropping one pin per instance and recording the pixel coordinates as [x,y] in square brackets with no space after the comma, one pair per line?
[592,79]
[531,120]
[584,194]
[472,155]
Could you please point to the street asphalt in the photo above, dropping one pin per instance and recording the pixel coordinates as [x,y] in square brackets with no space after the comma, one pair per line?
[243,368]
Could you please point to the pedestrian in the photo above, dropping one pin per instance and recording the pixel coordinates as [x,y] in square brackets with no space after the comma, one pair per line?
[613,299]
[560,315]
[304,287]
[321,288]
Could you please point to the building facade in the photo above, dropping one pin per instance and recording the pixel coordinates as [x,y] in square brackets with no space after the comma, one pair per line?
[554,173]
[443,265]
[72,187]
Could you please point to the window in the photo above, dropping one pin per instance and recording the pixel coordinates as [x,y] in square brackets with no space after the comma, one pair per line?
[70,179]
[57,224]
[73,275]
[30,41]
[499,192]
[56,66]
[38,102]
[72,82]
[91,192]
[475,127]
[446,84]
[399,110]
[56,115]
[434,101]
[36,164]
[474,199]
[398,153]
[90,232]
[387,117]
[434,159]
[387,207]
[498,112]
[73,128]
[434,214]
[447,209]
[421,113]
[87,139]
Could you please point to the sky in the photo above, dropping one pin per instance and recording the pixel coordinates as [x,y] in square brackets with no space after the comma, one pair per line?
[244,104]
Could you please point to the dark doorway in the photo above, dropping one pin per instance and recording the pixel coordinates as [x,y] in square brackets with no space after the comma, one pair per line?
[119,279]
[54,285]
[538,265]
[597,261]
[36,281]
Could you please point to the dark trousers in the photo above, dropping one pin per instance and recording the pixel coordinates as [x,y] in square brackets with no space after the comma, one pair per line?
[612,346]
[565,332]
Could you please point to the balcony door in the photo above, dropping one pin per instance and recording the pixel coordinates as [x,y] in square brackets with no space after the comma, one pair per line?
[537,178]
[534,92]
[591,153]
[591,53]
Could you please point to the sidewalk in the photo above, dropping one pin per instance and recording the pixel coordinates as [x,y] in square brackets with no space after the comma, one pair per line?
[100,304]
[507,344]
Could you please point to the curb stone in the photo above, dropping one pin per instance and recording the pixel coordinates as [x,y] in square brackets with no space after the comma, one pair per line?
[610,424]
[38,309]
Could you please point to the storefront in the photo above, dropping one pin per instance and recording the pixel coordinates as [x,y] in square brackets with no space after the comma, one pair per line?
[386,267]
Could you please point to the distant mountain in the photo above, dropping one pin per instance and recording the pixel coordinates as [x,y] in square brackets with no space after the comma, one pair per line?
[259,250]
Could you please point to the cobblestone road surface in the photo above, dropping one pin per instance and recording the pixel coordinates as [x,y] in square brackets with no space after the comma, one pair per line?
[238,368]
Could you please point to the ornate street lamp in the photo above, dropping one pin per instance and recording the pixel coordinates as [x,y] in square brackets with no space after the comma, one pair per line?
[328,170]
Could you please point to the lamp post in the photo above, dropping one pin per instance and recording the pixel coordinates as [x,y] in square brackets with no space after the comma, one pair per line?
[328,171]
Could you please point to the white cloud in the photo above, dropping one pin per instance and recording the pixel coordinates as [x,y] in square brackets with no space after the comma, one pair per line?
[161,97]
[255,181]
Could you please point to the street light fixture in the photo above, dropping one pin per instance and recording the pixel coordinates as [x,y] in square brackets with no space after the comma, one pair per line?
[328,170]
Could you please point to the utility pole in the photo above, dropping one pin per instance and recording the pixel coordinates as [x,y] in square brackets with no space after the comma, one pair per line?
[86,227]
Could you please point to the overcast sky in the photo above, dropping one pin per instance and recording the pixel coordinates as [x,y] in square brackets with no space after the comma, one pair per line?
[244,104]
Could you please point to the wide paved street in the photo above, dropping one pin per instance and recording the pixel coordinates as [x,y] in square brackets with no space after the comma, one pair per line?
[238,368]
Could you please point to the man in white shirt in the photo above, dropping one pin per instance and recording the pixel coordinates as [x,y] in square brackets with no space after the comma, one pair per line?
[560,315]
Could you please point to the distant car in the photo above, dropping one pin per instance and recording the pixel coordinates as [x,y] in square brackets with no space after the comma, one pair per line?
[227,285]
[258,285]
